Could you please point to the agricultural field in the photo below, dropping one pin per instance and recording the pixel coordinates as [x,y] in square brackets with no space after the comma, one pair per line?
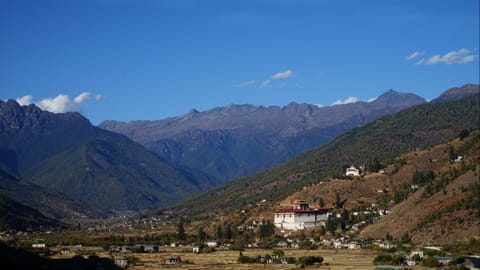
[227,259]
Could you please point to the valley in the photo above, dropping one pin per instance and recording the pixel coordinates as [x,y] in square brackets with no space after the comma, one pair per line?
[414,187]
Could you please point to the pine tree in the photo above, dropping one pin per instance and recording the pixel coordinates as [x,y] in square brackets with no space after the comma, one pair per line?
[181,232]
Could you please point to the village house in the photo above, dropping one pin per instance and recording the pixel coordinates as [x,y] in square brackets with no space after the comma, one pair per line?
[39,245]
[443,260]
[196,249]
[173,260]
[386,245]
[300,217]
[150,248]
[352,171]
[212,243]
[65,251]
[418,252]
[121,262]
[354,245]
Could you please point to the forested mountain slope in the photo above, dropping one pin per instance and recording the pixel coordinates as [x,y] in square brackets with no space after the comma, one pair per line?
[383,139]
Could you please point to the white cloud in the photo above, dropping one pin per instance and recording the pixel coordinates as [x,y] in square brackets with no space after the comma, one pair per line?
[265,83]
[282,75]
[279,76]
[346,101]
[25,100]
[414,55]
[372,100]
[59,104]
[461,56]
[319,105]
[82,97]
[244,84]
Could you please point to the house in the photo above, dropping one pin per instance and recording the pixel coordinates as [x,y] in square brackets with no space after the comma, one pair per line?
[122,249]
[150,248]
[418,252]
[39,245]
[65,251]
[121,262]
[443,260]
[212,243]
[196,249]
[386,245]
[354,245]
[300,217]
[173,260]
[352,171]
[410,262]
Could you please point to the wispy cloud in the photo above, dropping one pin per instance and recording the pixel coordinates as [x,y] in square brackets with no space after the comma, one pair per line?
[277,76]
[59,104]
[282,75]
[414,55]
[462,56]
[265,83]
[244,84]
[346,101]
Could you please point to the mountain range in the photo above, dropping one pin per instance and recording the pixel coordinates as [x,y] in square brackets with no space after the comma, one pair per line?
[238,140]
[381,140]
[63,166]
[65,155]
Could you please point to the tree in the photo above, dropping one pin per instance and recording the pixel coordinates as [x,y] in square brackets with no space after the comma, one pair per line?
[430,262]
[397,259]
[338,203]
[451,153]
[202,236]
[228,233]
[383,259]
[321,202]
[266,230]
[181,232]
[405,238]
[278,252]
[322,230]
[218,233]
[331,225]
[463,134]
[309,260]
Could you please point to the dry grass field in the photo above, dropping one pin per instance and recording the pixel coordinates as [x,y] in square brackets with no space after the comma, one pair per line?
[226,259]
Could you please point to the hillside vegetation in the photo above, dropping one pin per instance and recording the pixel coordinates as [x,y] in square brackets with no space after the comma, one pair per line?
[100,170]
[379,141]
[237,140]
[15,216]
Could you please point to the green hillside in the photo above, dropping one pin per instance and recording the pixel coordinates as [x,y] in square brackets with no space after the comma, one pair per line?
[63,154]
[383,139]
[15,216]
[112,172]
[49,203]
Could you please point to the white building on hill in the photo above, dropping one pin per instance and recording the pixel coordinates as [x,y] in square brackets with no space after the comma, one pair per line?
[300,217]
[352,171]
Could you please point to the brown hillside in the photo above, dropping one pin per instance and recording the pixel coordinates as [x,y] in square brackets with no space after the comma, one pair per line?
[447,227]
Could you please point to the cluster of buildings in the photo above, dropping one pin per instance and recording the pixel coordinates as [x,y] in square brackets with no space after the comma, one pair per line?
[300,217]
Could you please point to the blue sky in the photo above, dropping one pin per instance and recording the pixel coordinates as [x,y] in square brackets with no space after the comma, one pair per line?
[151,59]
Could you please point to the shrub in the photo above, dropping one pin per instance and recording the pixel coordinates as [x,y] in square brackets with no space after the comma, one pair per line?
[309,260]
[383,259]
[430,262]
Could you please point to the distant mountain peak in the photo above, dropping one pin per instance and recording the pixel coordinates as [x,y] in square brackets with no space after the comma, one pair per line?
[456,93]
[192,111]
[392,97]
